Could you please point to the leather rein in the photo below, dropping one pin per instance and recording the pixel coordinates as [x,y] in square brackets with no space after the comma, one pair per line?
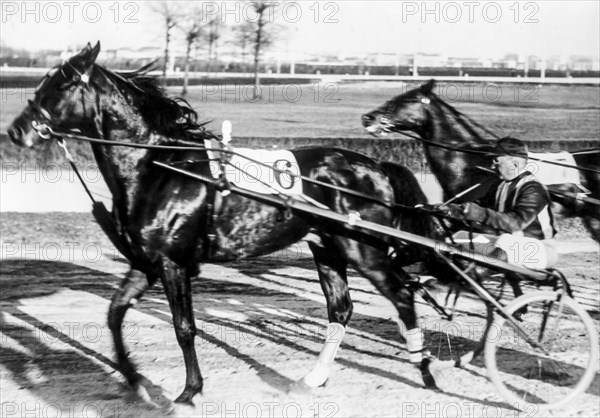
[462,149]
[46,132]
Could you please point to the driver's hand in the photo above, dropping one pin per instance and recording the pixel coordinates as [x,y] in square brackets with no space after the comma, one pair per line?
[450,210]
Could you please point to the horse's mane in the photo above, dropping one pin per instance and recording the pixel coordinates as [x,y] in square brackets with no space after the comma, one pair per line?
[460,120]
[452,120]
[172,117]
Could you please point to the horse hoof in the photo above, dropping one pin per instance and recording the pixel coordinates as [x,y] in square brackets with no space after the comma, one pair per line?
[187,398]
[317,377]
[138,394]
[299,387]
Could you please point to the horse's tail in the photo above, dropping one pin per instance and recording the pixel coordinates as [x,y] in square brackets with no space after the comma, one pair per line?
[408,194]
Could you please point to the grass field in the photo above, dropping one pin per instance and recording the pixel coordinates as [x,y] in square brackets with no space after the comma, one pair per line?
[333,110]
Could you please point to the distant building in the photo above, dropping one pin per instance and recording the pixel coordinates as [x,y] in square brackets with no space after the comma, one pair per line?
[429,60]
[460,62]
[146,52]
[511,60]
[534,62]
[583,63]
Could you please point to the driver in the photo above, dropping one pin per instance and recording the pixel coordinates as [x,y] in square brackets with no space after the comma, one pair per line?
[518,210]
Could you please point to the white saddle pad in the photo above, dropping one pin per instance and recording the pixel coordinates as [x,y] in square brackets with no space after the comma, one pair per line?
[262,171]
[549,174]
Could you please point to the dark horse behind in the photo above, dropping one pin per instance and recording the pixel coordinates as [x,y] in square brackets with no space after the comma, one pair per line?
[163,220]
[445,132]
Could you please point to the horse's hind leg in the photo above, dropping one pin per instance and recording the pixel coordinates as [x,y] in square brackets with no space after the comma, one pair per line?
[375,265]
[592,223]
[331,266]
[514,280]
[177,284]
[132,287]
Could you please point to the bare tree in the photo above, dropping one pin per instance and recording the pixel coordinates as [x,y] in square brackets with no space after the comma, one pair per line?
[170,16]
[193,31]
[243,36]
[262,38]
[212,36]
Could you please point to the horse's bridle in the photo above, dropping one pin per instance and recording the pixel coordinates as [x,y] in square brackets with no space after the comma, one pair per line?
[41,111]
[387,116]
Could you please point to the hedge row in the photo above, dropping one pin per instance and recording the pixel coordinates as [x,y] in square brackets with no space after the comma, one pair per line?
[407,152]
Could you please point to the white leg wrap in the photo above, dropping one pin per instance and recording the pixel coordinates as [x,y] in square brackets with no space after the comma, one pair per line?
[414,345]
[318,376]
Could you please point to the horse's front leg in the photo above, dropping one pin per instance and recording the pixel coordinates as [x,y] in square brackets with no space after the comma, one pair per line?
[177,284]
[131,289]
[332,267]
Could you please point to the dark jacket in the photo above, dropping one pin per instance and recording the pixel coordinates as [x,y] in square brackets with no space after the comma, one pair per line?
[526,208]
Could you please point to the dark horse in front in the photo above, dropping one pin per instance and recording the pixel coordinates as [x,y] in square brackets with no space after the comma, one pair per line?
[162,219]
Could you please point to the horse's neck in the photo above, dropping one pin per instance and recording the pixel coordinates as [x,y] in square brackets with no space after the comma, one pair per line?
[445,129]
[448,129]
[119,165]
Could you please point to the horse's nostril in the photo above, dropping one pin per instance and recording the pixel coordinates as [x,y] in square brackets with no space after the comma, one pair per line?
[15,133]
[367,119]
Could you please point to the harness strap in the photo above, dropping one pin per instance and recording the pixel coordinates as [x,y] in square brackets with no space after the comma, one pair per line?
[100,213]
[69,157]
[53,134]
[210,235]
[486,153]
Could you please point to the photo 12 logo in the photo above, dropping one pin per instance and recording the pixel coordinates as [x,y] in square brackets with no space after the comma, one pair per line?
[469,11]
[69,11]
[232,12]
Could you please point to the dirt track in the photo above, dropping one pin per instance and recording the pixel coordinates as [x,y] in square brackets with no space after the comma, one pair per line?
[261,325]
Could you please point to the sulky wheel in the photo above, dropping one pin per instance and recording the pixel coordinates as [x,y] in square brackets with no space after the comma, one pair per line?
[525,375]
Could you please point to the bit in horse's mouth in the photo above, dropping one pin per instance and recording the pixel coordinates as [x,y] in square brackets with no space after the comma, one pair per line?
[378,130]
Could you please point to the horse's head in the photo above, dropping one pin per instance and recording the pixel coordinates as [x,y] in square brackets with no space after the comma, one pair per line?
[65,97]
[406,112]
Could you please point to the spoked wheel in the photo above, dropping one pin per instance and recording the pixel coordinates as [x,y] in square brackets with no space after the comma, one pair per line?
[461,340]
[562,368]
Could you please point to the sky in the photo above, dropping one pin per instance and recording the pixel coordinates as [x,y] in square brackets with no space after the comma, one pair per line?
[455,28]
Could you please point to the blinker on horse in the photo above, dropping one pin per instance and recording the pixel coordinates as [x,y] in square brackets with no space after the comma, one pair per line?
[164,219]
[445,133]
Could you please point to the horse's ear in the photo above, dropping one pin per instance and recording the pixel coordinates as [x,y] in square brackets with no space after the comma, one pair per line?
[95,51]
[86,49]
[428,87]
[86,57]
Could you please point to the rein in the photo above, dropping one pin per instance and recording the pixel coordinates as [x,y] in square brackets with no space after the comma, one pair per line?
[47,132]
[485,153]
